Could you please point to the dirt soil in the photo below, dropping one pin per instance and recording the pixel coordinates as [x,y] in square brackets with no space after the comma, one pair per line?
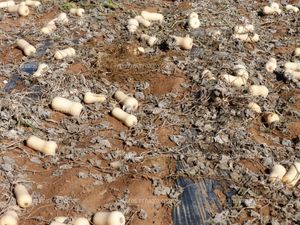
[183,115]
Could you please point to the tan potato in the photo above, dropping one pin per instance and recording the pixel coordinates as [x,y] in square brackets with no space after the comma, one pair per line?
[66,106]
[128,103]
[24,199]
[27,48]
[128,119]
[46,147]
[277,173]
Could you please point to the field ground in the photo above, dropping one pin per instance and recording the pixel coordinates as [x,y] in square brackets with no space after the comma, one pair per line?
[188,127]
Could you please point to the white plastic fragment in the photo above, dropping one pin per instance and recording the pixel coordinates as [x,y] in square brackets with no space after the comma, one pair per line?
[141,49]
